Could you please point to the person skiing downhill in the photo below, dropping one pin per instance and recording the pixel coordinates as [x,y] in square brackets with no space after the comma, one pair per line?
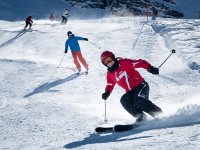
[65,16]
[28,21]
[123,72]
[72,42]
[52,17]
[154,13]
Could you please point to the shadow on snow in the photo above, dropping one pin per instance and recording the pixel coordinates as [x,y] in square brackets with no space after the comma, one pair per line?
[106,137]
[12,39]
[20,33]
[46,86]
[95,138]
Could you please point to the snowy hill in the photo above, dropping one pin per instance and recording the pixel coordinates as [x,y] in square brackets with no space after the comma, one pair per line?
[41,111]
[37,114]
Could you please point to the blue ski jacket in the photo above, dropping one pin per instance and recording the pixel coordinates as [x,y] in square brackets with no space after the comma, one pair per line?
[72,42]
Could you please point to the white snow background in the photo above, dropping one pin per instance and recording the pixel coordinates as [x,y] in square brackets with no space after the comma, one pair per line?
[37,112]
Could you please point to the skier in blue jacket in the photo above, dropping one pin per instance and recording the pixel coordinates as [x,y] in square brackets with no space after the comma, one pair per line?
[72,42]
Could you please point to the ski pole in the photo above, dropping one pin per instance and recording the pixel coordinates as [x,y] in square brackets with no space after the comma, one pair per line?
[105,119]
[61,60]
[94,45]
[173,51]
[56,68]
[138,36]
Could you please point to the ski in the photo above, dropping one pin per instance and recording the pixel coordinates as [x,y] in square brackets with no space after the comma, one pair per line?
[103,129]
[81,73]
[121,128]
[117,128]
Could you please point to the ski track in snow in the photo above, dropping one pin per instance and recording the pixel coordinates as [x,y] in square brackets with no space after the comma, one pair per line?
[62,113]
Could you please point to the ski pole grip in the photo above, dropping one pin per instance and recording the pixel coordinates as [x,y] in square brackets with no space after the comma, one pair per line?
[173,51]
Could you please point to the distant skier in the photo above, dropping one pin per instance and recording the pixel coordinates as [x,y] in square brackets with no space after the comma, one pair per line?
[154,13]
[29,22]
[52,17]
[72,42]
[65,16]
[123,72]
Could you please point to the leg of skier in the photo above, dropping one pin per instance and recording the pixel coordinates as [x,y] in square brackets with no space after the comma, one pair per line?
[75,57]
[82,60]
[63,18]
[30,25]
[141,100]
[26,26]
[127,102]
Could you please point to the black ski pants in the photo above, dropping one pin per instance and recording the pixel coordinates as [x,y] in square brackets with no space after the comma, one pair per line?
[137,100]
[64,20]
[28,23]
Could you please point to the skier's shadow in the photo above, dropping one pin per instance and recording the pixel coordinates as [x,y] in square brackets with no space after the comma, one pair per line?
[48,85]
[12,39]
[117,137]
[95,138]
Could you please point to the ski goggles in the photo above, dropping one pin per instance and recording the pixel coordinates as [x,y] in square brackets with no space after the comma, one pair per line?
[107,61]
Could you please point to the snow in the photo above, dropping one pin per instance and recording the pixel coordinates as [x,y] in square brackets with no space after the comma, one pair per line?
[45,107]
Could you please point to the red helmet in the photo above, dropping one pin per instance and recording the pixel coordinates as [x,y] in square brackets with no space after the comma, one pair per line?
[106,54]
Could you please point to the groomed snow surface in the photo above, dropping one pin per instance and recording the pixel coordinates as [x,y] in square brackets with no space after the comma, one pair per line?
[45,107]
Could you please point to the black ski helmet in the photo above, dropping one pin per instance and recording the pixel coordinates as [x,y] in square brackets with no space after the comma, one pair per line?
[69,32]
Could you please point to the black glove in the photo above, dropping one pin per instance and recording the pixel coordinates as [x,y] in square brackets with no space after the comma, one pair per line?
[105,95]
[153,70]
[65,51]
[86,39]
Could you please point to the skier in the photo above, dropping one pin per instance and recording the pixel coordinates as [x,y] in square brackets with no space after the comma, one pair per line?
[154,13]
[123,72]
[52,17]
[29,21]
[64,16]
[72,42]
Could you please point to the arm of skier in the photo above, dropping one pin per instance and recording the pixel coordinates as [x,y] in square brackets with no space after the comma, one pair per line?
[140,64]
[81,38]
[146,65]
[66,47]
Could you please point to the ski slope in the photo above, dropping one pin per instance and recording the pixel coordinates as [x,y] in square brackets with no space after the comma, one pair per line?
[40,112]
